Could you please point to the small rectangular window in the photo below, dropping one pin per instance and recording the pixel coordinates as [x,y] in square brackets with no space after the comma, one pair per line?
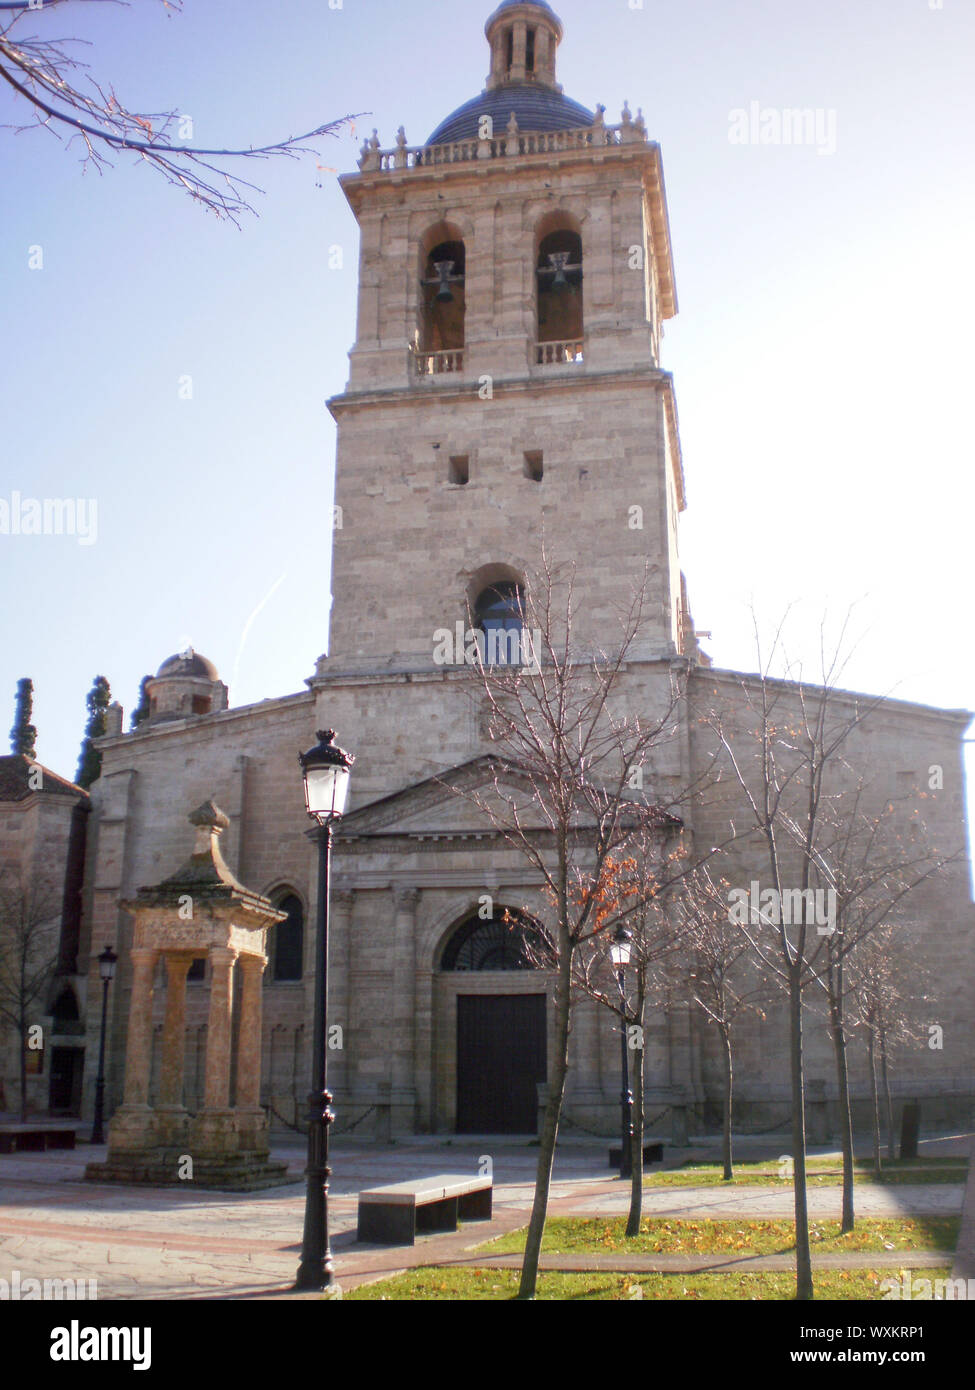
[530,51]
[533,466]
[459,471]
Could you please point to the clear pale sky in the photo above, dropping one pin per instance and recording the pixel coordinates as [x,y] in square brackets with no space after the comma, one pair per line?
[822,353]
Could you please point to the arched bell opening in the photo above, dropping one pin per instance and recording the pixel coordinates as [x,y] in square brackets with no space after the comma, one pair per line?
[558,279]
[443,304]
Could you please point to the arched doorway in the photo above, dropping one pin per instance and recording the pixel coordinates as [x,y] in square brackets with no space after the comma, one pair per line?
[67,1055]
[501,1025]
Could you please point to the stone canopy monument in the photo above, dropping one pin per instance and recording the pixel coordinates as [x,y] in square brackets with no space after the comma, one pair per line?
[201,911]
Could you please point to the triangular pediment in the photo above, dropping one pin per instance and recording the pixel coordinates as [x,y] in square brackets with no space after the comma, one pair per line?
[458,801]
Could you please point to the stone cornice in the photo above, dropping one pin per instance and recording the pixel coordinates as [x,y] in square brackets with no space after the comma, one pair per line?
[421,675]
[463,388]
[198,723]
[883,705]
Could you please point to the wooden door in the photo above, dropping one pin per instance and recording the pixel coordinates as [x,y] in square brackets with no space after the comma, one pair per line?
[501,1058]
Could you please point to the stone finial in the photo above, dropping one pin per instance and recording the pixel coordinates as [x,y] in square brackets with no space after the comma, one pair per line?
[400,160]
[401,138]
[369,154]
[512,126]
[640,124]
[599,119]
[210,822]
[627,119]
[209,814]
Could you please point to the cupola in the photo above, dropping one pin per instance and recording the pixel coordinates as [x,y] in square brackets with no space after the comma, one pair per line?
[523,35]
[186,684]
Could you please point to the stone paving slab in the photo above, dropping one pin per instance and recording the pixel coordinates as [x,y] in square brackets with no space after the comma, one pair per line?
[165,1243]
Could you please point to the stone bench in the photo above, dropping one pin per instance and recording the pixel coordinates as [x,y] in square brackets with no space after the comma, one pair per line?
[35,1138]
[394,1215]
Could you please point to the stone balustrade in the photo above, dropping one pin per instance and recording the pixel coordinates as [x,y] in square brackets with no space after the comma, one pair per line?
[437,363]
[510,143]
[551,354]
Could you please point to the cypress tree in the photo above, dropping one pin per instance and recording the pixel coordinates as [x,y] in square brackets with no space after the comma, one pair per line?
[23,735]
[90,762]
[141,711]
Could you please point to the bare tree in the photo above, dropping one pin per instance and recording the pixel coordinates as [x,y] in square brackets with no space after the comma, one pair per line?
[874,860]
[28,959]
[723,979]
[566,747]
[786,746]
[634,905]
[887,985]
[61,97]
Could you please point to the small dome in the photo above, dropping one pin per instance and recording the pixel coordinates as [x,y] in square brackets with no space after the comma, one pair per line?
[510,5]
[535,107]
[188,663]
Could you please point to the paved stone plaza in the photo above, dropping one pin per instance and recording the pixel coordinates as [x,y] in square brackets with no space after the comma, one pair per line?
[166,1243]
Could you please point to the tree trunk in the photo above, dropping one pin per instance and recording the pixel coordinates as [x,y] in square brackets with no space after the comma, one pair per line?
[636,1177]
[726,1108]
[550,1127]
[804,1284]
[875,1101]
[23,1072]
[885,1078]
[843,1087]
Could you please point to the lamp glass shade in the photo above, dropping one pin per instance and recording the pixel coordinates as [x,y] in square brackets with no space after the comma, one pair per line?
[619,953]
[106,963]
[326,791]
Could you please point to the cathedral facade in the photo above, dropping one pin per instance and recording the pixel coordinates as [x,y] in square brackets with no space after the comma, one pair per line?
[505,391]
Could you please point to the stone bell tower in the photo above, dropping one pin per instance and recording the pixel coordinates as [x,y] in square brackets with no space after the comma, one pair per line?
[505,386]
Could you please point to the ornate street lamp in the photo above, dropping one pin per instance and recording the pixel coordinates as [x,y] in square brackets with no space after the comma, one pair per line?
[106,968]
[619,953]
[325,769]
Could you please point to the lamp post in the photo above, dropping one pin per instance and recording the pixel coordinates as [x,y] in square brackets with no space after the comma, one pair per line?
[106,968]
[619,952]
[325,769]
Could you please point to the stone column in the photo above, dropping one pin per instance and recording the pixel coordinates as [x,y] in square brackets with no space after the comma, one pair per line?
[249,1038]
[174,1031]
[138,1057]
[251,1120]
[403,1093]
[520,45]
[586,1101]
[544,54]
[339,972]
[217,1093]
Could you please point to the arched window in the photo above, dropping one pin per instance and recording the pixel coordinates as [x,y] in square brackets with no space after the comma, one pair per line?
[499,613]
[558,279]
[494,943]
[288,939]
[443,303]
[65,1012]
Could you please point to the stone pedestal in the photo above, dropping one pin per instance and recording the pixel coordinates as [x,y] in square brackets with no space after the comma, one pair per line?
[226,1144]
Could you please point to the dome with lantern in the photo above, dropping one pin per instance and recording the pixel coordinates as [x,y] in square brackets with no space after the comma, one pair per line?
[523,36]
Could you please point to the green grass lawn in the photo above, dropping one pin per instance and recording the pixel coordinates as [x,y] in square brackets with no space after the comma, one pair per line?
[820,1172]
[659,1236]
[477,1284]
